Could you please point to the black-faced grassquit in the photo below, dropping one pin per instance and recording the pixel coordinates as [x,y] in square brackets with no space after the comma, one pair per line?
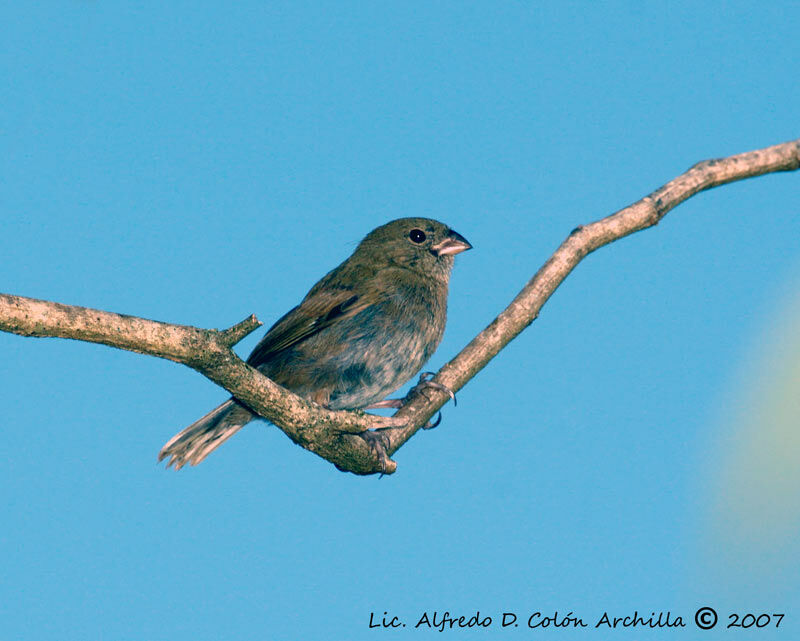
[361,332]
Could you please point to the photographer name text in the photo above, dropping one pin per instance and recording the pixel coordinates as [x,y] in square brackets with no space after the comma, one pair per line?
[703,618]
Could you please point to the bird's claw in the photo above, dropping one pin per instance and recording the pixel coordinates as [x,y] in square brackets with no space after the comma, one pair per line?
[419,388]
[424,381]
[430,426]
[377,443]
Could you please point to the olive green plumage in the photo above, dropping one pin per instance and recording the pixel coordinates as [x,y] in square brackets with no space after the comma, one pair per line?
[361,332]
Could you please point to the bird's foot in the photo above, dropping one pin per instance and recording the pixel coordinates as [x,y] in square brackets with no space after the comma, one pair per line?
[424,381]
[419,388]
[377,443]
[393,403]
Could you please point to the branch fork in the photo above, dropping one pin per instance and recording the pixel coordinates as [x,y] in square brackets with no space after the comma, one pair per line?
[338,436]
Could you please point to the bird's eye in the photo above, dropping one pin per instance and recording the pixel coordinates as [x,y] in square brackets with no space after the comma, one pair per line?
[417,236]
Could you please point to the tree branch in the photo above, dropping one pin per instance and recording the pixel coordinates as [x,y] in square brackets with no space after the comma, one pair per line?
[582,241]
[334,435]
[207,351]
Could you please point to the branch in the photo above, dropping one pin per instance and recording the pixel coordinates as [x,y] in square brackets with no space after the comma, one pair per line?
[209,352]
[334,435]
[582,241]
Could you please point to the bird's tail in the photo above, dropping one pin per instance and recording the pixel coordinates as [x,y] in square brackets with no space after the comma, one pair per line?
[205,435]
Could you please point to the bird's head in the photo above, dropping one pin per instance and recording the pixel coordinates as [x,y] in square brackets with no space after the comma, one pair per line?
[420,244]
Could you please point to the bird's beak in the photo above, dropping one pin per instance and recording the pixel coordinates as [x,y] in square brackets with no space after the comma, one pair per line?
[454,243]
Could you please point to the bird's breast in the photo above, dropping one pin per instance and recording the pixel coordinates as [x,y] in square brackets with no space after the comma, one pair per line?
[362,359]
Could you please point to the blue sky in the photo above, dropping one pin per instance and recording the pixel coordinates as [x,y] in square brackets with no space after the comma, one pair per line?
[635,449]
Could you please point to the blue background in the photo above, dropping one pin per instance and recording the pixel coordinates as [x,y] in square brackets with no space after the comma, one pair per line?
[635,449]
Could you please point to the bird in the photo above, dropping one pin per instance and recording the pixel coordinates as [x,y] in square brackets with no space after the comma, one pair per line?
[358,335]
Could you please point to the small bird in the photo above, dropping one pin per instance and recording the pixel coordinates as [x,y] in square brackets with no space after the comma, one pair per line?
[361,332]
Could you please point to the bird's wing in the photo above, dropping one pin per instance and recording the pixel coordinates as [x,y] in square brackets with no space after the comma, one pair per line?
[318,311]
